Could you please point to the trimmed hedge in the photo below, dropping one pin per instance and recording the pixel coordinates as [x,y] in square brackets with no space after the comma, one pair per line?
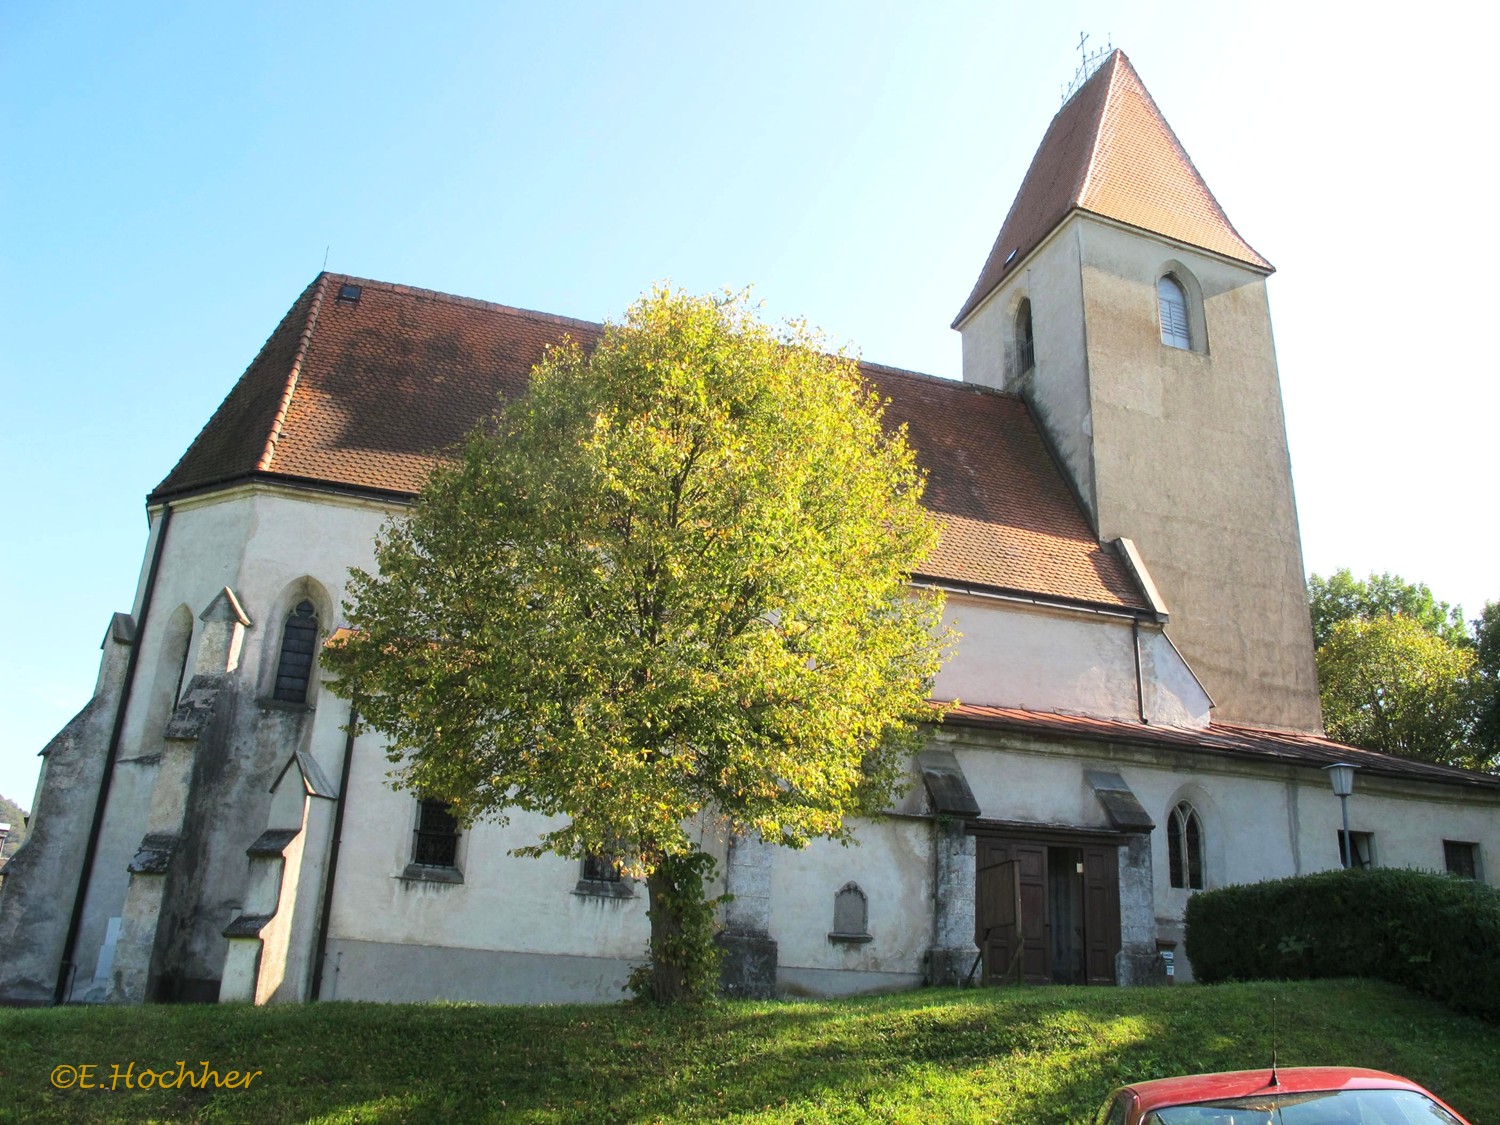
[1436,934]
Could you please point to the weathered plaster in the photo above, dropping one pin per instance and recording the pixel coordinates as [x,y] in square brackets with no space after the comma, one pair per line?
[953,949]
[1052,658]
[1057,385]
[36,898]
[1184,452]
[893,863]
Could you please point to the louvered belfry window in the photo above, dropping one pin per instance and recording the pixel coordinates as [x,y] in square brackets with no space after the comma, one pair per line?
[299,640]
[1171,300]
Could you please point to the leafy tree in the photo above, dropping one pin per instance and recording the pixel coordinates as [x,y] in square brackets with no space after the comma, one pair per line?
[666,587]
[1342,597]
[1390,684]
[1400,671]
[1487,676]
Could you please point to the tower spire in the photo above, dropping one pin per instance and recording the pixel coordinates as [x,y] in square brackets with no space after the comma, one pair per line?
[1110,152]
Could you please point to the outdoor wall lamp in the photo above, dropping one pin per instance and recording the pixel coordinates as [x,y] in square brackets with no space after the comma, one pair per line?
[1341,774]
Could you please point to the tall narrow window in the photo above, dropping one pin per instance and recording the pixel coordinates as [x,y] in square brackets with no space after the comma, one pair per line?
[436,836]
[1185,847]
[181,671]
[1025,342]
[1171,301]
[299,640]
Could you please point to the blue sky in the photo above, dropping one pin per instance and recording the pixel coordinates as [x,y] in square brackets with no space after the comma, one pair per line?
[174,175]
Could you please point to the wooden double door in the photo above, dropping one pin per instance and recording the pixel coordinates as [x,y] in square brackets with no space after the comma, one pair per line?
[1047,910]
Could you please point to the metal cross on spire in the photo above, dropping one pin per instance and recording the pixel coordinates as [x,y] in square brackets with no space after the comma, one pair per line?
[1087,64]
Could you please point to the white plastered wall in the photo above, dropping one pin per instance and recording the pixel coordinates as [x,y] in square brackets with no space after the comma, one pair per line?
[1261,820]
[1041,658]
[515,930]
[256,540]
[515,925]
[893,864]
[1052,280]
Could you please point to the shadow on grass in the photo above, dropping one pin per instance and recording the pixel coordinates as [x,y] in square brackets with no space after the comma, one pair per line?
[1037,1055]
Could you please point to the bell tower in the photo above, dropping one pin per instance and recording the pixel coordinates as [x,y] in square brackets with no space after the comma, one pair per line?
[1123,305]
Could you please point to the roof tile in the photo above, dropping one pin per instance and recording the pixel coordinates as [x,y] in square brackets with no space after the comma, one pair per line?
[369,394]
[1109,151]
[1289,747]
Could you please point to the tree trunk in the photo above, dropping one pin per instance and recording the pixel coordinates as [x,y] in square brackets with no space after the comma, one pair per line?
[684,959]
[662,891]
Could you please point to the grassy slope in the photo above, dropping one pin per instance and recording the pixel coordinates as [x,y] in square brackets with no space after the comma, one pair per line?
[1037,1056]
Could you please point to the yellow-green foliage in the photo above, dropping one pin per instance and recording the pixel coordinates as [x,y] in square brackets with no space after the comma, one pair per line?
[670,580]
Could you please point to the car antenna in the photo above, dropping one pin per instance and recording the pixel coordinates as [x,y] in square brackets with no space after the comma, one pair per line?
[1274,1080]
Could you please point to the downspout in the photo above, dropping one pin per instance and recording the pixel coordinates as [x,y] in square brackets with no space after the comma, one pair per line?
[320,950]
[1140,680]
[66,969]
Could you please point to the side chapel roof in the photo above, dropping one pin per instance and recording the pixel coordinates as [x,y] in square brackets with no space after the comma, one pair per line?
[1293,748]
[1110,152]
[366,391]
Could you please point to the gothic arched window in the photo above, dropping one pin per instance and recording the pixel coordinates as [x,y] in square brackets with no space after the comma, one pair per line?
[1185,847]
[299,641]
[1171,302]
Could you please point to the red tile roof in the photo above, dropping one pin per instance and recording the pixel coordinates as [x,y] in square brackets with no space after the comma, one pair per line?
[1010,520]
[1219,738]
[1110,152]
[368,394]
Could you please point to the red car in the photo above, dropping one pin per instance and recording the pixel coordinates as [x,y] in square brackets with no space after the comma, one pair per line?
[1300,1095]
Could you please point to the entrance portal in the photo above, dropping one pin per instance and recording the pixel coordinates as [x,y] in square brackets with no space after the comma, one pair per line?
[1047,910]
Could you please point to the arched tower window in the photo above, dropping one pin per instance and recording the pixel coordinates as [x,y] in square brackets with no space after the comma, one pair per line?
[1171,303]
[1185,847]
[299,641]
[1025,341]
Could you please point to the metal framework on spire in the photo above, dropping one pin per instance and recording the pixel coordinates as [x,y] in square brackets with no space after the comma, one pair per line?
[1088,62]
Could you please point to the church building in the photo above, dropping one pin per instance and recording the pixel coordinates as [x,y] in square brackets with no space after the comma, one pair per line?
[1139,711]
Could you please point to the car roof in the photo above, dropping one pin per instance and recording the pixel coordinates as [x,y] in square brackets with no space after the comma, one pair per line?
[1162,1092]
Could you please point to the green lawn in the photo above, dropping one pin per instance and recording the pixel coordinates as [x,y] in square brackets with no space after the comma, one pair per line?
[1035,1055]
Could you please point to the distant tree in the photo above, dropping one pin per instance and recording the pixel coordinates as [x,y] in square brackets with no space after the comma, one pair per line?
[1390,684]
[1402,672]
[1487,676]
[1386,687]
[669,583]
[1342,597]
[11,813]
